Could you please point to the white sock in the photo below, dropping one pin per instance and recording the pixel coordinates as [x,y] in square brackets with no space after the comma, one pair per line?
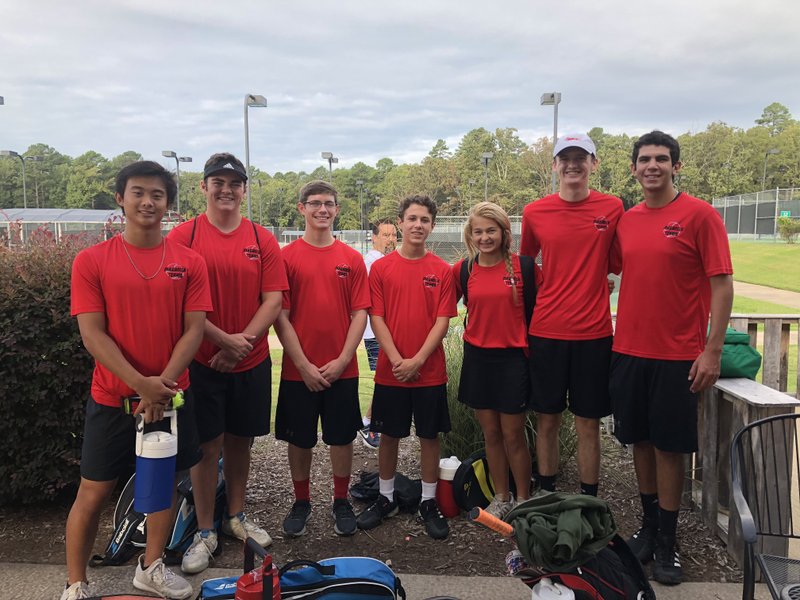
[366,421]
[428,491]
[386,487]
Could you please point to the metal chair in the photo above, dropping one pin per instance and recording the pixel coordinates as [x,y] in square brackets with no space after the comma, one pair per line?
[765,467]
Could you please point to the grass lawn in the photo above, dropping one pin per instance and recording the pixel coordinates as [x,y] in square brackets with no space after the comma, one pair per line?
[773,264]
[758,307]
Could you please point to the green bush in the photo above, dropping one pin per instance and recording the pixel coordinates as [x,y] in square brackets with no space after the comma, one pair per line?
[788,229]
[465,436]
[45,373]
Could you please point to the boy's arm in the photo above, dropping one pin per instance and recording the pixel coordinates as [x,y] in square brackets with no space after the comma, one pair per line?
[232,345]
[291,345]
[385,341]
[154,391]
[705,369]
[332,370]
[408,368]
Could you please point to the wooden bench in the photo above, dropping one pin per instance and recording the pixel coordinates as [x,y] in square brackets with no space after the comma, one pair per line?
[724,410]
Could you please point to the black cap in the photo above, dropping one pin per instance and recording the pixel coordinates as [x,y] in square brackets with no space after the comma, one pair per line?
[224,166]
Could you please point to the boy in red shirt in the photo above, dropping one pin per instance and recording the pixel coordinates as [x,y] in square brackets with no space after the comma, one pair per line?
[570,343]
[232,372]
[676,270]
[141,303]
[413,299]
[320,326]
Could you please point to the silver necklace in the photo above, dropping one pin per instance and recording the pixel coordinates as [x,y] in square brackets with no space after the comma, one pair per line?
[133,264]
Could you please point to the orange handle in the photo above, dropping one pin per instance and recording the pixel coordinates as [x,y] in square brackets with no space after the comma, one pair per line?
[481,516]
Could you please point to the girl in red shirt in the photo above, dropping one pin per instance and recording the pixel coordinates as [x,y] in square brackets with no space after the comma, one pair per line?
[494,376]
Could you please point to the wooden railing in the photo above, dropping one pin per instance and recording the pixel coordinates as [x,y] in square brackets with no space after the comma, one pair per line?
[733,403]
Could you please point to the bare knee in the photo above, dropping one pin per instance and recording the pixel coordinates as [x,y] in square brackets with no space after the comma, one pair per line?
[547,424]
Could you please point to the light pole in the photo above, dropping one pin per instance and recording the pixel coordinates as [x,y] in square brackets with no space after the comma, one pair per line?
[766,158]
[178,161]
[331,160]
[485,158]
[360,186]
[22,159]
[259,102]
[547,99]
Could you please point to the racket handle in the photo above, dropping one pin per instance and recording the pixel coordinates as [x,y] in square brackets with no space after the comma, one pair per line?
[484,518]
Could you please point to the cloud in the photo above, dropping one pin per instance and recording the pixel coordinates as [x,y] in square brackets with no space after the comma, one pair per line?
[367,80]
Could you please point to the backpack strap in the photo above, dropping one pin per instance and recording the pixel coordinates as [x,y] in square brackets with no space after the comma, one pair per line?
[466,269]
[194,228]
[527,267]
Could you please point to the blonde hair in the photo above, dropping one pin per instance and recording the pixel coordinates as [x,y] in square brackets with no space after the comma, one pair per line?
[493,212]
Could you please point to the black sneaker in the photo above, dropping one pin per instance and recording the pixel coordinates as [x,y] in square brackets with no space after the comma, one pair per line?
[294,525]
[667,566]
[435,524]
[643,544]
[344,519]
[376,512]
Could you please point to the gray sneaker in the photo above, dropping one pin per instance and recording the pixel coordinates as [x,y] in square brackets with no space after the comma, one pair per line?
[158,579]
[198,555]
[241,528]
[76,591]
[500,508]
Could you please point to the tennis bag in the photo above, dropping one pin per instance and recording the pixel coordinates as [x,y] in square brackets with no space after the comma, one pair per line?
[340,578]
[613,574]
[472,483]
[130,526]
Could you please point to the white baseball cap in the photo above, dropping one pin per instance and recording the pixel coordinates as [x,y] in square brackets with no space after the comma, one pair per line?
[575,140]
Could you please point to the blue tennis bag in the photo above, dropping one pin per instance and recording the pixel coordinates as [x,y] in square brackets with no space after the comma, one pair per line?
[340,578]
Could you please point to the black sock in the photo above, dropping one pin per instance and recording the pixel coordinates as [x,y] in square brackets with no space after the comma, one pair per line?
[650,510]
[547,482]
[667,523]
[589,489]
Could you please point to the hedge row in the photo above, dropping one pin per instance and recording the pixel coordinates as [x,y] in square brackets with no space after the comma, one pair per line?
[45,372]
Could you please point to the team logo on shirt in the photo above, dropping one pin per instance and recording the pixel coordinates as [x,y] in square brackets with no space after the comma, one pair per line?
[431,281]
[509,281]
[252,252]
[601,223]
[175,271]
[343,271]
[673,229]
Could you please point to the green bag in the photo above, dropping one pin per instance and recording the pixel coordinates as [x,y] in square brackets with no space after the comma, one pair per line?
[739,358]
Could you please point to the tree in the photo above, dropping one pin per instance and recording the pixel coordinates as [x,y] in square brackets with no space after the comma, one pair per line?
[87,186]
[775,117]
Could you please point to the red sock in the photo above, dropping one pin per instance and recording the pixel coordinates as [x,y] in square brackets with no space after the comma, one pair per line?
[302,489]
[340,487]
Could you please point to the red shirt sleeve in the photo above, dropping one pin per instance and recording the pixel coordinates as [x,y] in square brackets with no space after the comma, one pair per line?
[86,293]
[377,308]
[528,245]
[456,271]
[447,301]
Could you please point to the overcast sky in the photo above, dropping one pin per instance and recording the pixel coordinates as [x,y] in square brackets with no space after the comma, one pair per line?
[369,79]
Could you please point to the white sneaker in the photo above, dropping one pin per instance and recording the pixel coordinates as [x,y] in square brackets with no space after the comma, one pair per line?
[158,579]
[76,591]
[241,528]
[198,555]
[500,508]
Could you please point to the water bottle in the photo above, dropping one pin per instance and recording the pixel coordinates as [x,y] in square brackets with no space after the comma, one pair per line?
[156,453]
[444,488]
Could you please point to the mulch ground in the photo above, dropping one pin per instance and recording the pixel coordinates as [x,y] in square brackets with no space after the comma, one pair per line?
[35,534]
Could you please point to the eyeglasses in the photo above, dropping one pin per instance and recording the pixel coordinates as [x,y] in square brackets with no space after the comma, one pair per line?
[316,204]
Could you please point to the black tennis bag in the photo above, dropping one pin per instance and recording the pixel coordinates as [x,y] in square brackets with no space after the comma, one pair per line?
[613,574]
[472,483]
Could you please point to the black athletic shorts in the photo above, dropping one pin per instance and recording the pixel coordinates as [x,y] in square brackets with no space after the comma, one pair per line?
[109,440]
[652,402]
[495,379]
[299,411]
[393,408]
[236,403]
[570,371]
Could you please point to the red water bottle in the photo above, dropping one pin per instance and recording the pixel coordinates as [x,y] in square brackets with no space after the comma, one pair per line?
[444,488]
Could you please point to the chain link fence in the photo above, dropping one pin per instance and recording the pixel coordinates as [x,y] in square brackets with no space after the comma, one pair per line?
[755,215]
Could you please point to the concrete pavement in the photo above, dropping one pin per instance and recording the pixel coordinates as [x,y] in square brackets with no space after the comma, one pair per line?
[25,581]
[767,294]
